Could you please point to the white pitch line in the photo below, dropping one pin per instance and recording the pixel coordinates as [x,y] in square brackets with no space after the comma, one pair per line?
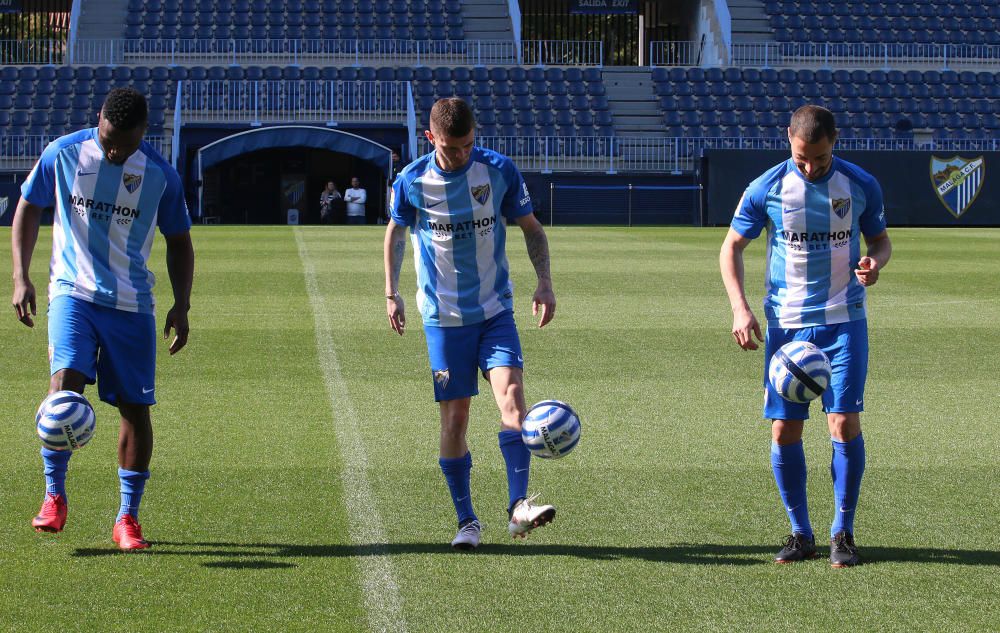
[383,602]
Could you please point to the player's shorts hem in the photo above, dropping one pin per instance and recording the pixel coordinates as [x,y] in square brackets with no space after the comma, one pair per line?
[91,379]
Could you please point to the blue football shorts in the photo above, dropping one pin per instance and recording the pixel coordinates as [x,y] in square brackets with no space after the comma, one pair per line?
[115,348]
[456,353]
[846,344]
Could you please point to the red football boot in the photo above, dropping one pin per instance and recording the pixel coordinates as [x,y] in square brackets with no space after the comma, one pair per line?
[52,516]
[128,534]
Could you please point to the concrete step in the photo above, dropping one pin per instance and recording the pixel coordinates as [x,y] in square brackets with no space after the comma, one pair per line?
[650,121]
[484,11]
[638,130]
[640,108]
[744,13]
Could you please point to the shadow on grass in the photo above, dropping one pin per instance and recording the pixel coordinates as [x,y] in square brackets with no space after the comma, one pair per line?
[249,564]
[262,555]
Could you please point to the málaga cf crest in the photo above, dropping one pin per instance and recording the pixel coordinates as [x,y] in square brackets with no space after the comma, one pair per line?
[841,206]
[131,182]
[957,181]
[481,193]
[442,377]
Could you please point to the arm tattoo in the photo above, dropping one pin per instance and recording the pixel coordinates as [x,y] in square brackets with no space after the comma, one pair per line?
[398,249]
[538,253]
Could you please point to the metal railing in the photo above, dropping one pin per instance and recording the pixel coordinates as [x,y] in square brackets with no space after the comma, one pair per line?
[672,155]
[595,154]
[339,52]
[685,53]
[21,151]
[274,101]
[14,52]
[833,55]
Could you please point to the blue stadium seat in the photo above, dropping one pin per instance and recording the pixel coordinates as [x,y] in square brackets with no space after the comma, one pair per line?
[61,102]
[502,103]
[79,118]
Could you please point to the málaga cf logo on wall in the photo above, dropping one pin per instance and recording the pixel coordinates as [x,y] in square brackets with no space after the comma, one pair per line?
[957,181]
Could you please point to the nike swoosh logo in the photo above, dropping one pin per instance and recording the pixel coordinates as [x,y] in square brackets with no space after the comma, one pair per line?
[463,498]
[144,390]
[843,509]
[793,509]
[792,210]
[859,402]
[439,202]
[83,173]
[520,360]
[520,470]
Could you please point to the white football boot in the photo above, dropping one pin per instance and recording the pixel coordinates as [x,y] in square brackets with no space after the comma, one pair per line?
[526,516]
[468,536]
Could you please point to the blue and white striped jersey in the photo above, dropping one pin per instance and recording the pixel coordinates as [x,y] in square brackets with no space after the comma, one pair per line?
[458,225]
[104,218]
[813,241]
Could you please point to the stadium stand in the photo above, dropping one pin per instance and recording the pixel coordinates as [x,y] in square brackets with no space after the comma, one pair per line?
[859,21]
[294,20]
[746,105]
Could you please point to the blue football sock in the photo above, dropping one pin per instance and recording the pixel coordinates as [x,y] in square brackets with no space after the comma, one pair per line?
[518,459]
[458,473]
[846,467]
[133,484]
[789,465]
[55,463]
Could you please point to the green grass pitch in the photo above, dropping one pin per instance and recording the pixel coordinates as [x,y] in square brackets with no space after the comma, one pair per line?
[295,483]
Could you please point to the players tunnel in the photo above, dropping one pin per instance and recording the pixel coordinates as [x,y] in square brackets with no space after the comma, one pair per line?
[271,174]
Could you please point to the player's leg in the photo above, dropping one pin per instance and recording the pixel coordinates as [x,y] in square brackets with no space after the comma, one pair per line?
[501,361]
[508,390]
[73,360]
[453,369]
[456,465]
[847,347]
[788,459]
[126,372]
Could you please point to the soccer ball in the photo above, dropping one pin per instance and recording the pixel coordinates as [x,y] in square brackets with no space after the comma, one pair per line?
[799,371]
[551,429]
[65,421]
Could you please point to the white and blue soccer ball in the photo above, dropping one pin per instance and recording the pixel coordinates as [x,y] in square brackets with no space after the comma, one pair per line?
[799,371]
[65,421]
[550,429]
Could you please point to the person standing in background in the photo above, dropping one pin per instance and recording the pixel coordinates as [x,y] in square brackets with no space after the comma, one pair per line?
[356,197]
[328,201]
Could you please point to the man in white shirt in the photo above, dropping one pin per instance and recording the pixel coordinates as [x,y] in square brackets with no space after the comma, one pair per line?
[355,198]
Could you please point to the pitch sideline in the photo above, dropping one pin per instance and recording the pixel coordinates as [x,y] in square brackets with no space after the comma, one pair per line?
[383,602]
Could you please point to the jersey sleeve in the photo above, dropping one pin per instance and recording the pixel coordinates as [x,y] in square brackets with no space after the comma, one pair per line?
[872,220]
[516,201]
[172,215]
[750,217]
[401,210]
[40,187]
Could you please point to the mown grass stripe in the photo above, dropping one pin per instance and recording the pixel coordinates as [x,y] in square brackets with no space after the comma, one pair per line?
[384,604]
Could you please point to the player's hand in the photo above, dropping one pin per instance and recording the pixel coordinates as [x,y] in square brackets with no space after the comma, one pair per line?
[745,324]
[24,302]
[396,309]
[177,319]
[867,271]
[545,299]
